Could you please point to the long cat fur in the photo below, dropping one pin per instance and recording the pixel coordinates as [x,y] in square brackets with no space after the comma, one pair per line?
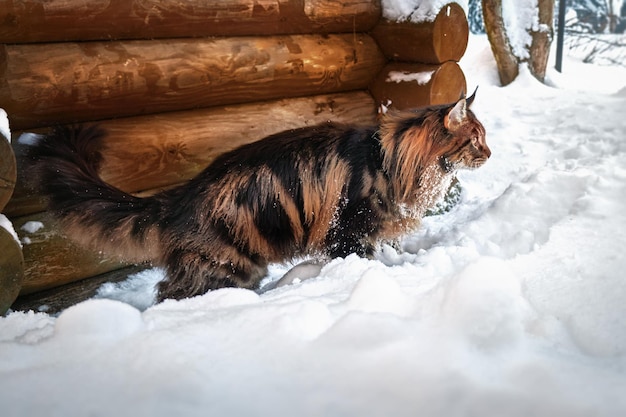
[327,190]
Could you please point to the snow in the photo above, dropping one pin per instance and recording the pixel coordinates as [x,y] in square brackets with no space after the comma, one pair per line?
[29,139]
[416,10]
[510,304]
[32,226]
[519,18]
[4,125]
[6,224]
[420,78]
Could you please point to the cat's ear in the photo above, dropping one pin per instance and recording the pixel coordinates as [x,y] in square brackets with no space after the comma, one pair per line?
[456,115]
[471,98]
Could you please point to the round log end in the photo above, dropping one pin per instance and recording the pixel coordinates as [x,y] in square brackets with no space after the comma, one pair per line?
[404,85]
[450,33]
[429,42]
[8,172]
[11,270]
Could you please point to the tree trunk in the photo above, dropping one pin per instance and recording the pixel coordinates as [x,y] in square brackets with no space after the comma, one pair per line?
[540,31]
[541,40]
[507,62]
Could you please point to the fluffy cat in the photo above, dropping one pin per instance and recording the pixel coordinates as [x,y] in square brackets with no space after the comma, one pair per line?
[327,190]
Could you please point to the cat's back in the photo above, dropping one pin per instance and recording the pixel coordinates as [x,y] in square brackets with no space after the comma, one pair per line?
[310,143]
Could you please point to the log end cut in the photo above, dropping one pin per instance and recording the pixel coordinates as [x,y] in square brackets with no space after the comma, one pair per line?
[404,86]
[444,39]
[8,172]
[450,33]
[11,270]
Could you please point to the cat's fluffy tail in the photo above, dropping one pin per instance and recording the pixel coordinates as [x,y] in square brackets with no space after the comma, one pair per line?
[90,211]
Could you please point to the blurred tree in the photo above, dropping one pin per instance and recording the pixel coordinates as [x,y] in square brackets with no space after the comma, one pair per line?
[520,34]
[475,16]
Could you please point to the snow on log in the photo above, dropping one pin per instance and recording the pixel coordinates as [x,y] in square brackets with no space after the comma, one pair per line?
[44,84]
[11,269]
[407,85]
[24,21]
[8,172]
[431,42]
[154,151]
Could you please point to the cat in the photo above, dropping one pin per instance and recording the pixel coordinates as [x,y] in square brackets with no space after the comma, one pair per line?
[325,191]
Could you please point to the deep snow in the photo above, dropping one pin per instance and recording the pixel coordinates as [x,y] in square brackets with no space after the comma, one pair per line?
[511,304]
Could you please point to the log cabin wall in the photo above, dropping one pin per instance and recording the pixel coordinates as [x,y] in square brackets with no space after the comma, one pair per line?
[177,83]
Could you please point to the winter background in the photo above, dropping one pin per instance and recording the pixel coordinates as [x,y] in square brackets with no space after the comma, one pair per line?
[513,303]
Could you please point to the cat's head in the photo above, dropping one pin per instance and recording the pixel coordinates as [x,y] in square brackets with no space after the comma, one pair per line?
[464,145]
[449,136]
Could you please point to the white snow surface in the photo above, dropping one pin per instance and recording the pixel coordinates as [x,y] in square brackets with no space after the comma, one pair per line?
[4,125]
[6,224]
[511,304]
[420,78]
[32,226]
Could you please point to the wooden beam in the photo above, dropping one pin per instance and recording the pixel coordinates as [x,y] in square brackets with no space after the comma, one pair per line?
[51,260]
[27,21]
[47,84]
[55,300]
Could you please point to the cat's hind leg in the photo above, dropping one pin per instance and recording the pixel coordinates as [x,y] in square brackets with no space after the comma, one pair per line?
[191,273]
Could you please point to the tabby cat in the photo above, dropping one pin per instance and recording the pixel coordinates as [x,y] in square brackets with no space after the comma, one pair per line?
[327,191]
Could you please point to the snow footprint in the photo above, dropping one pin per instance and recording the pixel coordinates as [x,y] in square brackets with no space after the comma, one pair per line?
[485,305]
[520,219]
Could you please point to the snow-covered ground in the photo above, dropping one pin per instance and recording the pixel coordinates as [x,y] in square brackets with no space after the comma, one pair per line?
[511,304]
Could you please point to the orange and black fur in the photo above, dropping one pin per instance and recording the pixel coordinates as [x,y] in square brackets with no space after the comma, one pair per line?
[326,190]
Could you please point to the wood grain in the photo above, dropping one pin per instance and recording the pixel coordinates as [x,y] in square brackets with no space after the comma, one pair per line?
[11,270]
[57,299]
[8,172]
[51,260]
[29,21]
[48,84]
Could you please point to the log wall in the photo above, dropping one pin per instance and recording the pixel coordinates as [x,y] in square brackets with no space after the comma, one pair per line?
[28,21]
[43,84]
[177,83]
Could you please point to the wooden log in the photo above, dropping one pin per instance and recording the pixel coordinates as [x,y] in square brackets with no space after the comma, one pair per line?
[404,85]
[51,260]
[8,172]
[47,84]
[57,299]
[11,270]
[28,21]
[153,151]
[431,42]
